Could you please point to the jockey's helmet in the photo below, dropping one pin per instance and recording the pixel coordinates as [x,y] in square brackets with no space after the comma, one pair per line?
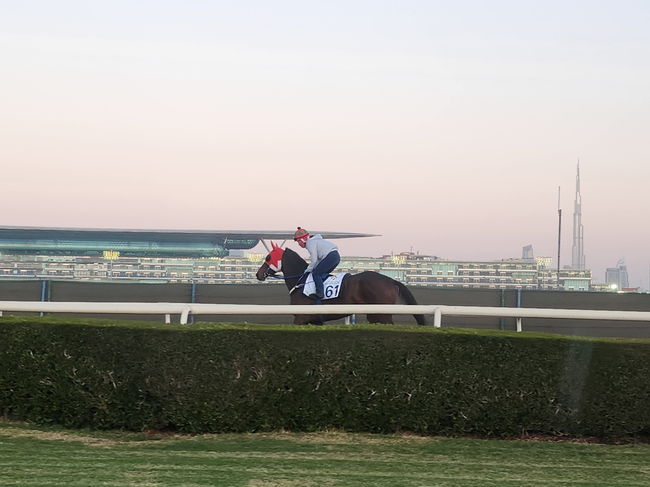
[300,234]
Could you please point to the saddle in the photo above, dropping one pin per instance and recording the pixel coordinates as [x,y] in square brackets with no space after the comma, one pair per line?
[331,286]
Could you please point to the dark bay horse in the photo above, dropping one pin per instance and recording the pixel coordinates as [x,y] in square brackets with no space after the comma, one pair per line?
[367,287]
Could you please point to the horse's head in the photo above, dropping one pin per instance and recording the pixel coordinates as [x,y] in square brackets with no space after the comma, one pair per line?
[272,263]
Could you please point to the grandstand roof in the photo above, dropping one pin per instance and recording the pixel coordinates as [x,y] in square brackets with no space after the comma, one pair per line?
[189,235]
[88,241]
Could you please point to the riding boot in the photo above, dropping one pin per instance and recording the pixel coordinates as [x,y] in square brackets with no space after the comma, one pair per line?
[318,282]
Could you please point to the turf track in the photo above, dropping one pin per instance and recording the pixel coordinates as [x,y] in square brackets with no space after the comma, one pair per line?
[37,456]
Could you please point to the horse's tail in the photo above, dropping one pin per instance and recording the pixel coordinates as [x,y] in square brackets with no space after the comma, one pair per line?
[408,297]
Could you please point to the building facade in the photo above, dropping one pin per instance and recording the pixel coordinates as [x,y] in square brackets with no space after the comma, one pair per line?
[221,257]
[409,268]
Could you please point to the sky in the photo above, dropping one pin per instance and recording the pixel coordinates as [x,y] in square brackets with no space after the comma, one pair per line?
[448,128]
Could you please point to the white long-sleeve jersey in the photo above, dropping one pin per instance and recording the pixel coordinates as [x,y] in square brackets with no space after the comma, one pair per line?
[318,248]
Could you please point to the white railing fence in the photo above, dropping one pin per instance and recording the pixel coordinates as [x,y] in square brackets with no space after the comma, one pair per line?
[196,309]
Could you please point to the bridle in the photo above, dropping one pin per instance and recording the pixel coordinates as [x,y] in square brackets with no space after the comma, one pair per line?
[274,267]
[271,273]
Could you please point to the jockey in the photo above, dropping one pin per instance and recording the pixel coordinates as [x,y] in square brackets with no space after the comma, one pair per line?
[324,257]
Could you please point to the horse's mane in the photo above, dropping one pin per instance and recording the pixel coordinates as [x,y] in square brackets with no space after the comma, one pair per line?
[292,262]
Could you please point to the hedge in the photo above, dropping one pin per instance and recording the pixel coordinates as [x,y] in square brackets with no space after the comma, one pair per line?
[371,378]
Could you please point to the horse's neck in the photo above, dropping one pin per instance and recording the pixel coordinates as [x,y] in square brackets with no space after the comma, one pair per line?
[292,267]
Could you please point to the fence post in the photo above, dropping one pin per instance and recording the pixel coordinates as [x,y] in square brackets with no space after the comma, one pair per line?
[351,319]
[502,303]
[193,300]
[184,314]
[437,318]
[519,327]
[43,294]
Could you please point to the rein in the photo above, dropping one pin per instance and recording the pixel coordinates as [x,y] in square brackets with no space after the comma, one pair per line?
[285,277]
[274,276]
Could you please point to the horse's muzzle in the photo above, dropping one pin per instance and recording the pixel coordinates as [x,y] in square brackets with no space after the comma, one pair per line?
[264,272]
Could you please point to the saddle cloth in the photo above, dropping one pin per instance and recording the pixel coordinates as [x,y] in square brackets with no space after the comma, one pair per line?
[331,285]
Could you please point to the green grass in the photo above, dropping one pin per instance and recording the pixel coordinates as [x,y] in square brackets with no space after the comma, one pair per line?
[204,325]
[42,456]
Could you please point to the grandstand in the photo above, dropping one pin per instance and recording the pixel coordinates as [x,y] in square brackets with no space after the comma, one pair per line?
[139,243]
[224,257]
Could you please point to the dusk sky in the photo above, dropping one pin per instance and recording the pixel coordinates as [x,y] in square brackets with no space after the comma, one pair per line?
[446,127]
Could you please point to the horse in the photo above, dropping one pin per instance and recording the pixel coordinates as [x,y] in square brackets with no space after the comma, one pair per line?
[366,287]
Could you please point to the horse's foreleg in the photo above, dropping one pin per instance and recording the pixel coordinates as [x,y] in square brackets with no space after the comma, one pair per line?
[300,319]
[307,320]
[386,319]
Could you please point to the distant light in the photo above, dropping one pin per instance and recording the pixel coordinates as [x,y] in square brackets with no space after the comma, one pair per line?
[614,287]
[254,257]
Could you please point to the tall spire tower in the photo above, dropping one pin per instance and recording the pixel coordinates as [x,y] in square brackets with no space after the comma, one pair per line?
[578,251]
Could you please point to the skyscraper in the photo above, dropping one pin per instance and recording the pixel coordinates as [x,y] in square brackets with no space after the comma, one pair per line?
[527,252]
[617,276]
[578,250]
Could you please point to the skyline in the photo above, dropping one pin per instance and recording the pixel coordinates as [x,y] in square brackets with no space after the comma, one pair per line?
[578,260]
[445,128]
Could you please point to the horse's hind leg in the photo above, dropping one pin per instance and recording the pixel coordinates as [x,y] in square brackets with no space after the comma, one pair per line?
[387,319]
